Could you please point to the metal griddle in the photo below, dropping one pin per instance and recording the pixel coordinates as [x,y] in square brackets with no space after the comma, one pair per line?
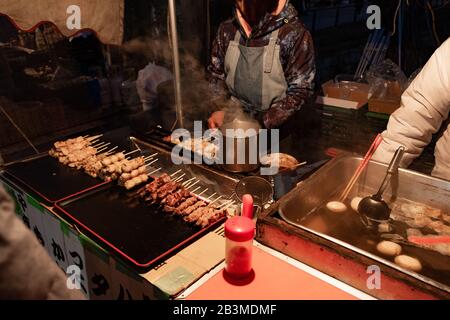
[49,179]
[142,234]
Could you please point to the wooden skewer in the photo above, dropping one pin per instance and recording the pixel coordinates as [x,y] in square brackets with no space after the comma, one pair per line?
[217,199]
[228,205]
[178,180]
[102,149]
[94,141]
[112,150]
[211,196]
[175,173]
[154,171]
[131,152]
[180,177]
[187,181]
[150,163]
[202,192]
[193,184]
[103,144]
[94,137]
[151,156]
[225,203]
[196,189]
[98,145]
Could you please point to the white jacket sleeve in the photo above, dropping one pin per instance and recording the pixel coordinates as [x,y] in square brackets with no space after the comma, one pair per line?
[424,107]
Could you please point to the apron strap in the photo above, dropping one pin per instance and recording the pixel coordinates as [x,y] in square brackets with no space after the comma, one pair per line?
[237,36]
[271,51]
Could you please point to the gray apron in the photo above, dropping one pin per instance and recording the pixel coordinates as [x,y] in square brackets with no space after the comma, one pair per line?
[254,75]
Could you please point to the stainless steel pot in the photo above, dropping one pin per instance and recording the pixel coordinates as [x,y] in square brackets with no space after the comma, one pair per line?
[241,145]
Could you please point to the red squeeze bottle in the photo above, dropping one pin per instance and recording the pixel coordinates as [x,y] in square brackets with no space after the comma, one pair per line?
[239,233]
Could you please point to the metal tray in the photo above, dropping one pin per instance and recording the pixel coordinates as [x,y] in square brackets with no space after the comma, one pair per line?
[49,179]
[332,178]
[141,234]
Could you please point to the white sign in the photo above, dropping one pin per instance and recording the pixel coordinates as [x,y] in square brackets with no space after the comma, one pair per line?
[55,240]
[76,257]
[98,273]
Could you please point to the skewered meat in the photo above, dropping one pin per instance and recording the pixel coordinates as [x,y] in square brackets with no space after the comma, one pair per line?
[133,174]
[167,189]
[196,211]
[130,184]
[192,208]
[174,199]
[154,185]
[211,217]
[179,201]
[133,164]
[184,205]
[113,159]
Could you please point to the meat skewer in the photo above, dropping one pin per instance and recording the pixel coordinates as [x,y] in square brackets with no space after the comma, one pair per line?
[176,198]
[130,184]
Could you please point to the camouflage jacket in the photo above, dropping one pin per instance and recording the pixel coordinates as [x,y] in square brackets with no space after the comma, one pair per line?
[296,54]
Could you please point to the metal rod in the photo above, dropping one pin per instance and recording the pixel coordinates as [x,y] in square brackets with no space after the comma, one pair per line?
[176,63]
[363,54]
[20,130]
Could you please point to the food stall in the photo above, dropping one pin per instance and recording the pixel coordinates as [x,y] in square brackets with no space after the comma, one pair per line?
[142,219]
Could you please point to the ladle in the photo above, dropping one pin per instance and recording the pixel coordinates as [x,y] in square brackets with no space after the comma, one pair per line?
[374,207]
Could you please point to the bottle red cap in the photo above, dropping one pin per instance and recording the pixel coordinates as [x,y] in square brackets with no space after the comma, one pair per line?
[239,229]
[247,206]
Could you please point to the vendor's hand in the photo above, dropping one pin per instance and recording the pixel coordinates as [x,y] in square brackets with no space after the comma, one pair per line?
[216,120]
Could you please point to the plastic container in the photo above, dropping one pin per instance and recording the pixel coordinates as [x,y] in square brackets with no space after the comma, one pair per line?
[239,234]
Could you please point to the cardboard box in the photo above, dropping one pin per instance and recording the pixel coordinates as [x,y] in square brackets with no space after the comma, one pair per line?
[387,106]
[388,100]
[345,94]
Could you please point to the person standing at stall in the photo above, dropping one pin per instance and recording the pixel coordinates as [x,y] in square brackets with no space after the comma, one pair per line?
[425,106]
[264,57]
[26,270]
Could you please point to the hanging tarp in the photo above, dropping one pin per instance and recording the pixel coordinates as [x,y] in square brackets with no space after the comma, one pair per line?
[104,17]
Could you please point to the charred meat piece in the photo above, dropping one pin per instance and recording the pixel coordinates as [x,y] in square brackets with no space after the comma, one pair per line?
[174,199]
[211,217]
[154,185]
[196,214]
[185,204]
[167,189]
[192,208]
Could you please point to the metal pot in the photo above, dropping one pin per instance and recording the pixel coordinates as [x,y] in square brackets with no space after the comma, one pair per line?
[240,145]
